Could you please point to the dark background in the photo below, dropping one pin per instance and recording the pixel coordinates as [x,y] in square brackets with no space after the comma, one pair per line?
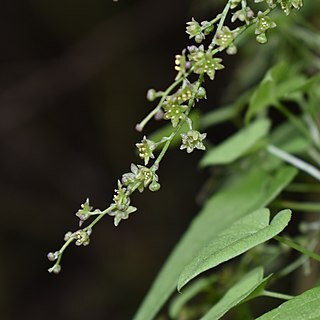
[73,79]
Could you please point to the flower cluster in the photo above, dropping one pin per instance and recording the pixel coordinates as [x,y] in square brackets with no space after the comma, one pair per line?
[55,269]
[268,2]
[139,178]
[86,211]
[82,237]
[287,5]
[224,39]
[174,112]
[244,15]
[203,61]
[153,94]
[263,24]
[145,149]
[199,31]
[193,140]
[181,65]
[122,206]
[173,106]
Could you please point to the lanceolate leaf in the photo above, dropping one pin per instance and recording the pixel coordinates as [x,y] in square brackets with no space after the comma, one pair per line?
[235,295]
[234,147]
[303,307]
[255,190]
[243,235]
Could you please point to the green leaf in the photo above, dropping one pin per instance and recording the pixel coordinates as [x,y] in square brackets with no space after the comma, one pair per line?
[217,116]
[240,237]
[296,144]
[255,190]
[303,307]
[224,113]
[306,84]
[235,295]
[279,83]
[264,95]
[237,145]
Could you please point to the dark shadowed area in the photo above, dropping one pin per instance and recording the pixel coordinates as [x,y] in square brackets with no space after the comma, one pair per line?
[73,79]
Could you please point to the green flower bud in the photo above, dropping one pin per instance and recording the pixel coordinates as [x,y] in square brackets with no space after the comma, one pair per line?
[199,38]
[68,236]
[55,269]
[232,50]
[201,93]
[154,186]
[152,95]
[262,38]
[234,3]
[264,23]
[52,256]
[207,27]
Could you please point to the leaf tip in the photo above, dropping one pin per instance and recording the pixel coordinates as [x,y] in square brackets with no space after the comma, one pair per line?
[181,283]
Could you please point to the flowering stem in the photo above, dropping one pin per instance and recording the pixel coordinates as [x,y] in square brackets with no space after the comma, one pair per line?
[62,249]
[224,15]
[293,119]
[115,209]
[243,4]
[99,217]
[72,238]
[174,133]
[217,18]
[142,124]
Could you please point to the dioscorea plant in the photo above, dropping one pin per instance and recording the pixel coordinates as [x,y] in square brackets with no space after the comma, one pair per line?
[260,161]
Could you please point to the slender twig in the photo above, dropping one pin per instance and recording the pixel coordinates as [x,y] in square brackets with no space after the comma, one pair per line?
[301,206]
[298,247]
[298,163]
[276,295]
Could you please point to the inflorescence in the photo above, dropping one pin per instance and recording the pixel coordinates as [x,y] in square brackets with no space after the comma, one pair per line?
[175,105]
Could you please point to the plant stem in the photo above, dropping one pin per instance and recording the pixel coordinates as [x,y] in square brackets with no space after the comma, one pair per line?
[166,146]
[224,15]
[174,133]
[292,267]
[301,206]
[142,124]
[276,295]
[298,163]
[294,120]
[63,248]
[298,247]
[99,217]
[303,187]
